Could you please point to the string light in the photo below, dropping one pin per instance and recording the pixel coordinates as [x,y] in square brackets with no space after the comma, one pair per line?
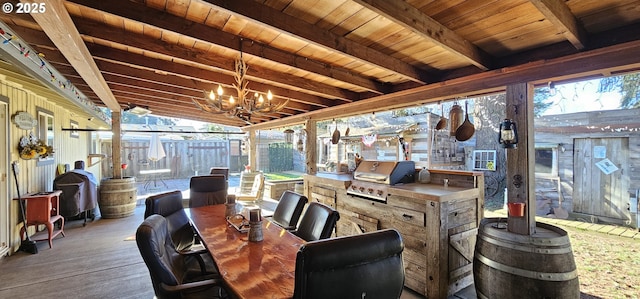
[25,51]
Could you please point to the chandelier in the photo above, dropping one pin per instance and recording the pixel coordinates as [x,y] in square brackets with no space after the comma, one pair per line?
[245,104]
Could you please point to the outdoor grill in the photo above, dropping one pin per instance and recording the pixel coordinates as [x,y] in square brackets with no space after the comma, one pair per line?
[372,179]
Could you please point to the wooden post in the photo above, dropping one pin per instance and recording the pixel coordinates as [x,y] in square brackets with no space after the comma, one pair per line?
[311,146]
[116,144]
[521,160]
[253,154]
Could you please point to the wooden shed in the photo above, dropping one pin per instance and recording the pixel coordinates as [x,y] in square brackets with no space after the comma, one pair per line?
[595,158]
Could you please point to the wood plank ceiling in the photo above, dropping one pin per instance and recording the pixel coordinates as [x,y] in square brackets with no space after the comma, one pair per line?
[321,54]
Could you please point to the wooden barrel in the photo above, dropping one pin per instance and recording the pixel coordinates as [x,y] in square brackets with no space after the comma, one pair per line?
[509,265]
[118,197]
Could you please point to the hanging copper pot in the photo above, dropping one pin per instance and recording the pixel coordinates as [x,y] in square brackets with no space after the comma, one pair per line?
[456,116]
[335,137]
[443,121]
[466,129]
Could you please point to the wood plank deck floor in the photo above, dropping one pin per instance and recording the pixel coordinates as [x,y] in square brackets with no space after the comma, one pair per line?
[95,261]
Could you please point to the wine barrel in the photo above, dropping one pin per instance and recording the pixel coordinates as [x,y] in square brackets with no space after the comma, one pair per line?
[509,265]
[118,197]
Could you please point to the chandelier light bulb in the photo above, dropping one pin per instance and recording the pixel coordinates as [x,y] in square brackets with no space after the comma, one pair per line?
[244,104]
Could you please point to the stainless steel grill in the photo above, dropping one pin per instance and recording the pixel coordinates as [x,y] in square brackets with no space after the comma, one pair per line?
[372,179]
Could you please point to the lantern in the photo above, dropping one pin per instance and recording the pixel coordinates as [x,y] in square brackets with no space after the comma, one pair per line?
[300,145]
[288,135]
[508,135]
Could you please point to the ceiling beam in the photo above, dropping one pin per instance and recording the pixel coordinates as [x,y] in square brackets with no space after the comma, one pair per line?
[558,13]
[583,64]
[134,81]
[131,85]
[145,87]
[162,20]
[40,41]
[208,79]
[292,26]
[93,31]
[226,66]
[59,27]
[421,24]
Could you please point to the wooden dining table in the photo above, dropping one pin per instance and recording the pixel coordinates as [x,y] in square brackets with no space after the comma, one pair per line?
[264,269]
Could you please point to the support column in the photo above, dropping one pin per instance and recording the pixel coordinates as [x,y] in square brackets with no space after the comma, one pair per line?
[311,147]
[253,154]
[116,144]
[521,160]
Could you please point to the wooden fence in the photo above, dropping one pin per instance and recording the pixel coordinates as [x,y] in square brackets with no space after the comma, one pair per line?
[184,158]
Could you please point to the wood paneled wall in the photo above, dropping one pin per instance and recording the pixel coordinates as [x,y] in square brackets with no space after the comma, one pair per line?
[597,124]
[24,96]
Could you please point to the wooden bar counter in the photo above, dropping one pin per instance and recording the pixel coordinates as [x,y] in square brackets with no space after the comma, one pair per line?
[264,269]
[438,224]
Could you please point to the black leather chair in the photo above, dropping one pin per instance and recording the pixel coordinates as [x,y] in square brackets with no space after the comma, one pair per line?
[362,266]
[183,235]
[289,209]
[169,205]
[318,222]
[221,170]
[171,275]
[207,190]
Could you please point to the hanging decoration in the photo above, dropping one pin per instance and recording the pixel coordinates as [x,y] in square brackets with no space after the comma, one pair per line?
[335,137]
[302,136]
[403,144]
[288,135]
[369,140]
[25,53]
[31,147]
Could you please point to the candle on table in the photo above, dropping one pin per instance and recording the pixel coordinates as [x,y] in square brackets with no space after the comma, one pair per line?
[254,215]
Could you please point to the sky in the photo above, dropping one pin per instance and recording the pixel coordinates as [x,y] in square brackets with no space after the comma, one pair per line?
[581,97]
[195,124]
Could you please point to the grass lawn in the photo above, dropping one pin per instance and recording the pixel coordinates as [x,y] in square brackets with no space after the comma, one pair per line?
[281,176]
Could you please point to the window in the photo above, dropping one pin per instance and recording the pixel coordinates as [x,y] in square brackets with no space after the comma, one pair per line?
[546,160]
[45,131]
[484,160]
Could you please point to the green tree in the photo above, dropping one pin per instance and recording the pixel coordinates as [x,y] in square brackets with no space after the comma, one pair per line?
[627,85]
[540,101]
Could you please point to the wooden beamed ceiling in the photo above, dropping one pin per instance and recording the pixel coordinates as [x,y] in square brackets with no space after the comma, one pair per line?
[326,57]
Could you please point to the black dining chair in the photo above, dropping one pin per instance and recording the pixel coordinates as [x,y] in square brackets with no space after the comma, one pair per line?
[169,204]
[361,266]
[207,190]
[289,209]
[317,223]
[183,235]
[172,275]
